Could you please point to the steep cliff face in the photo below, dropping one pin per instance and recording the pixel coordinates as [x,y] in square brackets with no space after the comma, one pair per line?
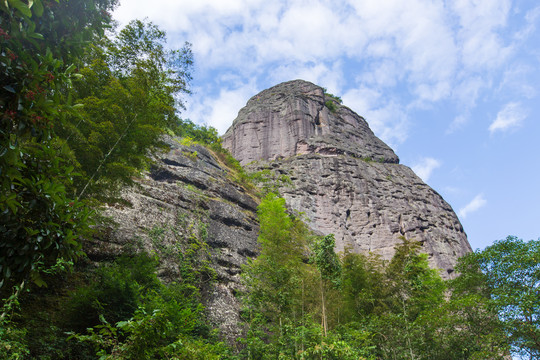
[188,198]
[292,118]
[345,179]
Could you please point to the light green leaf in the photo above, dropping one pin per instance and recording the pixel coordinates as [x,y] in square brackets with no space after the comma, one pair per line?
[22,7]
[37,36]
[38,8]
[70,69]
[38,280]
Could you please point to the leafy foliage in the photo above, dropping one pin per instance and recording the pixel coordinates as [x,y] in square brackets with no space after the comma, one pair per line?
[506,278]
[269,181]
[129,92]
[331,105]
[332,101]
[202,134]
[357,306]
[114,293]
[80,114]
[40,43]
[131,315]
[273,275]
[12,338]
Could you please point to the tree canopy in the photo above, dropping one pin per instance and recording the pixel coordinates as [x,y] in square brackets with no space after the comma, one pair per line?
[506,275]
[80,114]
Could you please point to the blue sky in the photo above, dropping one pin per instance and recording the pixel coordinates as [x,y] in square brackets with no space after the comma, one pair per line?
[451,86]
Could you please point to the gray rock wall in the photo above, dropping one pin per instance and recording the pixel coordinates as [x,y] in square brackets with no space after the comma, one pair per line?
[368,206]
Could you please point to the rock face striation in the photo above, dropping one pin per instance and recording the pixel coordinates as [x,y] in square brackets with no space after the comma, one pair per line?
[345,179]
[294,118]
[188,194]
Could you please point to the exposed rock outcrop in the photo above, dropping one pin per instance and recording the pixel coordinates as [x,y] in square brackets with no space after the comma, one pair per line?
[292,118]
[345,179]
[188,193]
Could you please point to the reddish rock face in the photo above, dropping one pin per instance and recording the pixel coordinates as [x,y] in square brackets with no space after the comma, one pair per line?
[345,179]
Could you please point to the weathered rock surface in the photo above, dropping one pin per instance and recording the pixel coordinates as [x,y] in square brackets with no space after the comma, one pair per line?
[188,193]
[345,179]
[292,119]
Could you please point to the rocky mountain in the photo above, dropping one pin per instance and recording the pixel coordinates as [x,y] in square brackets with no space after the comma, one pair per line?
[342,177]
[345,180]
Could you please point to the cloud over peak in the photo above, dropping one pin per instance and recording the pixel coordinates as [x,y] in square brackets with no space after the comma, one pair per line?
[425,168]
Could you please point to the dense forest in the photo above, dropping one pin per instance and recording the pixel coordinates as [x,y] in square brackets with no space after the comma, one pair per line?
[83,107]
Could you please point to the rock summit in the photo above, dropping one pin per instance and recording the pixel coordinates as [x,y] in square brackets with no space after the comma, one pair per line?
[342,177]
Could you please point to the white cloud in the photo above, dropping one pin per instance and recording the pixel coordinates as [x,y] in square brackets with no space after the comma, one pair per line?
[425,168]
[472,206]
[381,74]
[510,117]
[530,18]
[467,91]
[416,36]
[329,76]
[416,52]
[220,111]
[386,118]
[478,36]
[458,122]
[517,79]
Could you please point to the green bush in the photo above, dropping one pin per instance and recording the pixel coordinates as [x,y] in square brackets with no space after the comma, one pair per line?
[169,322]
[331,105]
[115,292]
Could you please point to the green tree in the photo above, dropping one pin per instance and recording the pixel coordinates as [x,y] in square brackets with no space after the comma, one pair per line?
[507,275]
[130,92]
[411,288]
[362,286]
[274,279]
[129,314]
[329,267]
[272,275]
[464,327]
[80,114]
[41,41]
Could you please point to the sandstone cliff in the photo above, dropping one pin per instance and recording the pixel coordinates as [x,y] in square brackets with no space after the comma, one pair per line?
[345,179]
[292,118]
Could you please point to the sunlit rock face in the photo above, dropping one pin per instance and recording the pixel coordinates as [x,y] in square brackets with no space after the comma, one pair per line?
[343,178]
[292,118]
